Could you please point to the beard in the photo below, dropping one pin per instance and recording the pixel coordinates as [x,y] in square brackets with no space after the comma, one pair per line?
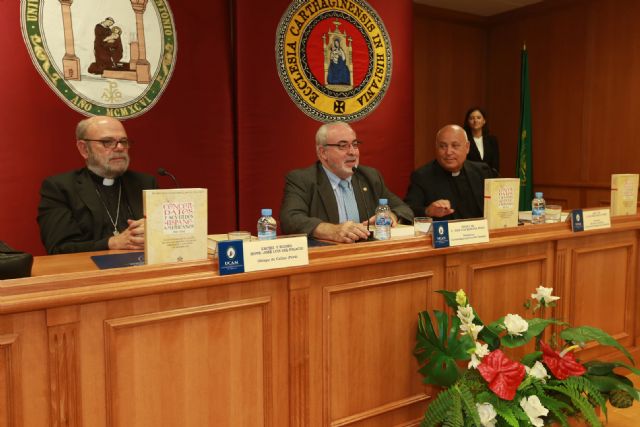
[103,167]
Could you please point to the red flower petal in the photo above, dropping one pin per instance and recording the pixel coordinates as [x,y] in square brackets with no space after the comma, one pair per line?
[561,367]
[503,375]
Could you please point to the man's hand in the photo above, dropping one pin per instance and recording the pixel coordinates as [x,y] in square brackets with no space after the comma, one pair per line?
[439,208]
[131,238]
[347,232]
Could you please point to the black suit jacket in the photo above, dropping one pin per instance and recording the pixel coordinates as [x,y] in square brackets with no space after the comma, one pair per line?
[491,151]
[309,199]
[71,216]
[431,182]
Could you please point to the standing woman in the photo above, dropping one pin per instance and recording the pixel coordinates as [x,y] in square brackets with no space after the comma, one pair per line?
[483,147]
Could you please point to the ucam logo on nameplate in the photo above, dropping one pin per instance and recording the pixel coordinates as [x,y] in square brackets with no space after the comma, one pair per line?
[102,58]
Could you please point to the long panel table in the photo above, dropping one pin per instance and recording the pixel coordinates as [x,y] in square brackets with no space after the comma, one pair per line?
[328,344]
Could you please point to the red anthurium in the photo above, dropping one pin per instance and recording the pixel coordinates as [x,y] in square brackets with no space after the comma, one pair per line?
[561,365]
[503,375]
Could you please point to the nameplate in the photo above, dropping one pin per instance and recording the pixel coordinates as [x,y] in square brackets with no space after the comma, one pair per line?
[276,253]
[593,219]
[230,257]
[459,233]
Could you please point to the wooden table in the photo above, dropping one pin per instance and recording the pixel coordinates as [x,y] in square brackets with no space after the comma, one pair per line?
[328,344]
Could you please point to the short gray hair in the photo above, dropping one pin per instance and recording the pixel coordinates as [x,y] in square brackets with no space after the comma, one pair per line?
[81,128]
[321,134]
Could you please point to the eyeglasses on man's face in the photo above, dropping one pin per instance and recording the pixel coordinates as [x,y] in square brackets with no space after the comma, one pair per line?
[111,143]
[345,146]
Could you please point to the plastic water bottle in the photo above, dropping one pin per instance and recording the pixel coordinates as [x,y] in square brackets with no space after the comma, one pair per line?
[266,226]
[383,220]
[537,209]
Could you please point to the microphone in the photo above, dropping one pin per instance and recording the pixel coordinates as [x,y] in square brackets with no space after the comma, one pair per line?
[164,172]
[364,198]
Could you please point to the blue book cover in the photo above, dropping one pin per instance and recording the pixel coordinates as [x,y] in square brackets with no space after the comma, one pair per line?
[118,260]
[440,234]
[577,221]
[230,257]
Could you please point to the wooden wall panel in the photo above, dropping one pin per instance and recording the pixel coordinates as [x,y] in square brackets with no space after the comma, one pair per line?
[221,350]
[9,380]
[450,73]
[362,319]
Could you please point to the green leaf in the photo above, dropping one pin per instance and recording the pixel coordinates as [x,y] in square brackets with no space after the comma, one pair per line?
[607,383]
[536,327]
[584,334]
[439,352]
[596,367]
[531,358]
[450,299]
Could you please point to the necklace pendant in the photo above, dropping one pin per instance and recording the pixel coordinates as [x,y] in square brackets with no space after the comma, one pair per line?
[116,232]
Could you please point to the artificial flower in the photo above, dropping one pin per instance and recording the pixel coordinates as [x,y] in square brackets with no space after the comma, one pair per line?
[503,375]
[537,371]
[487,414]
[480,351]
[461,297]
[471,329]
[534,410]
[562,365]
[543,295]
[465,314]
[515,324]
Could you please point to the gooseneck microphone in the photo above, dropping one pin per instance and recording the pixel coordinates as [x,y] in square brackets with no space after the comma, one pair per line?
[164,172]
[356,171]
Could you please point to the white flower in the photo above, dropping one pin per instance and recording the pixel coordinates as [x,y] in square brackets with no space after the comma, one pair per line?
[534,410]
[471,329]
[487,414]
[465,314]
[480,351]
[544,294]
[537,371]
[461,297]
[515,324]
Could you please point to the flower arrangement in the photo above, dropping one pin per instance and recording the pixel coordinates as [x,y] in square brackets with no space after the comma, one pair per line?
[482,386]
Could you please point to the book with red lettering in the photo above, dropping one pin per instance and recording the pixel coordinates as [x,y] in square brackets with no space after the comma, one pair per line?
[501,196]
[624,194]
[176,225]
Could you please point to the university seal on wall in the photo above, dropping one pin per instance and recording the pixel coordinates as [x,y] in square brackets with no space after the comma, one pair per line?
[111,58]
[334,58]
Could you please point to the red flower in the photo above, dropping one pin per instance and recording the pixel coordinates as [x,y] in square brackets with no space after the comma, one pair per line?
[561,366]
[503,375]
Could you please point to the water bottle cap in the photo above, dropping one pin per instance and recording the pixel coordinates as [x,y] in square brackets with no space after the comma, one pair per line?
[538,194]
[266,212]
[383,201]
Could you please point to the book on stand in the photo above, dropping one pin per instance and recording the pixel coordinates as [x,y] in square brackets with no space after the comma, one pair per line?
[176,225]
[624,194]
[501,197]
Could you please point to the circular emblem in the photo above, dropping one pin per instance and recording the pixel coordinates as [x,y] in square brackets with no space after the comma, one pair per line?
[441,230]
[110,58]
[334,58]
[231,252]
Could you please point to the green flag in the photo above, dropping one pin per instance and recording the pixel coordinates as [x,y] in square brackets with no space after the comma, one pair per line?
[524,162]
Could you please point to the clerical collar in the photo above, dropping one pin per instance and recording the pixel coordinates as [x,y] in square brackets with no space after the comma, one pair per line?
[107,182]
[455,173]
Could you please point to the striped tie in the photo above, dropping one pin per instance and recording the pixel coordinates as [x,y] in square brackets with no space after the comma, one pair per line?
[351,207]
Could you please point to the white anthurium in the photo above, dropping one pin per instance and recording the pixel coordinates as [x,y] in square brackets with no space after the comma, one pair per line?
[534,410]
[544,295]
[515,324]
[487,414]
[537,371]
[465,314]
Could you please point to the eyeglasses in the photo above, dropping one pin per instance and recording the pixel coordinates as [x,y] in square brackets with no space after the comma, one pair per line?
[344,146]
[111,143]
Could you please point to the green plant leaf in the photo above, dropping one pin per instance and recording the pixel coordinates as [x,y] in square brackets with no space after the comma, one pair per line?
[438,353]
[531,358]
[536,327]
[607,383]
[449,298]
[584,334]
[596,367]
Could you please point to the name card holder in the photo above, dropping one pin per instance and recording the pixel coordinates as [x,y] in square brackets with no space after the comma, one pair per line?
[459,233]
[592,219]
[239,256]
